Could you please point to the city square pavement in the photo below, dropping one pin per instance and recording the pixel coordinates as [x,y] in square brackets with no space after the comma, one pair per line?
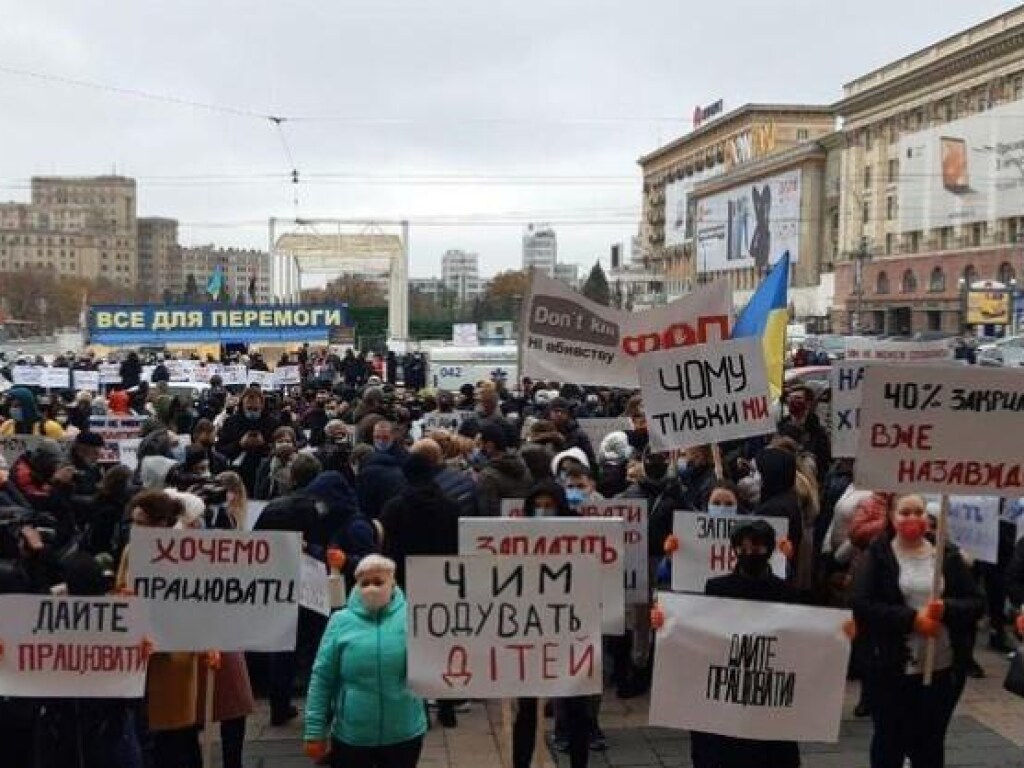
[987,732]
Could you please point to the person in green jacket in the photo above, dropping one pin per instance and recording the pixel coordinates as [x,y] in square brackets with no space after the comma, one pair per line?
[359,708]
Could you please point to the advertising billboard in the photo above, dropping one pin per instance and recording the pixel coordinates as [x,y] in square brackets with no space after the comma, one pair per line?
[677,205]
[988,307]
[962,172]
[750,225]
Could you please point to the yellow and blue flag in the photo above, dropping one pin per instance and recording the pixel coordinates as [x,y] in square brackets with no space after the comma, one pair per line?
[767,315]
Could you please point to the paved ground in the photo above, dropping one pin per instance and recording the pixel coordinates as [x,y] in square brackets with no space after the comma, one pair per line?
[987,732]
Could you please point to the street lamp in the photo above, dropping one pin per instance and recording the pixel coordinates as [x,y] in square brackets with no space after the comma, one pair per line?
[861,255]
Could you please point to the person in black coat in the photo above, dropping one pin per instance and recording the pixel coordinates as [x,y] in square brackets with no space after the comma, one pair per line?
[803,425]
[246,437]
[380,477]
[697,475]
[130,371]
[895,617]
[752,579]
[778,491]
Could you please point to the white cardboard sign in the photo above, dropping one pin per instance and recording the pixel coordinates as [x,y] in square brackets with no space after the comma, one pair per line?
[634,515]
[750,670]
[86,380]
[942,429]
[862,350]
[76,647]
[533,628]
[314,593]
[224,590]
[602,539]
[28,375]
[974,526]
[705,394]
[704,551]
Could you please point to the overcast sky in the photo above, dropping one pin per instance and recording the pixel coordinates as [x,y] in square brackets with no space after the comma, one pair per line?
[522,96]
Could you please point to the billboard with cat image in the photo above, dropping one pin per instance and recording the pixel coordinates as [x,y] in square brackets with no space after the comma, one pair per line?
[749,225]
[964,171]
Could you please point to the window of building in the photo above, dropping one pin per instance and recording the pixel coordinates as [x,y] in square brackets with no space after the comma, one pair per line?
[945,237]
[893,171]
[882,283]
[867,177]
[970,275]
[866,212]
[914,241]
[802,134]
[937,281]
[890,243]
[1006,273]
[909,282]
[869,139]
[890,208]
[1013,230]
[977,231]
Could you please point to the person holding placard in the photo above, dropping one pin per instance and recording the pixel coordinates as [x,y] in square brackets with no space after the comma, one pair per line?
[359,708]
[896,617]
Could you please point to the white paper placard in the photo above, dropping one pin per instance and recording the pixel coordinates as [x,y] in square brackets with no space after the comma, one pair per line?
[750,670]
[974,526]
[600,538]
[86,380]
[74,647]
[705,394]
[287,376]
[313,590]
[55,378]
[28,375]
[224,590]
[534,626]
[704,551]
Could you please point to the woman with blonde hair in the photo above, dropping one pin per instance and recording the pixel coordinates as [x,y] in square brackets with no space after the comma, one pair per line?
[236,506]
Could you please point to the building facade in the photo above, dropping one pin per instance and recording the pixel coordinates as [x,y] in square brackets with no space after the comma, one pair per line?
[540,249]
[932,191]
[460,274]
[568,274]
[728,198]
[242,269]
[158,253]
[81,227]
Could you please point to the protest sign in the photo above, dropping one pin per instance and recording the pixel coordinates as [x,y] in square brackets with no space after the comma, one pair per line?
[55,378]
[704,551]
[287,376]
[941,429]
[750,670]
[86,380]
[126,452]
[847,376]
[633,513]
[206,371]
[265,380]
[705,394]
[15,445]
[494,627]
[974,526]
[448,421]
[567,337]
[229,590]
[597,429]
[116,430]
[110,373]
[600,538]
[314,593]
[28,375]
[234,375]
[79,647]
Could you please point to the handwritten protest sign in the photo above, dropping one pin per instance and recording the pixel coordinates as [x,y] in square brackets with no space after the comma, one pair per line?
[86,380]
[313,590]
[448,421]
[750,670]
[602,539]
[942,429]
[847,376]
[493,627]
[116,430]
[82,647]
[110,373]
[567,337]
[633,513]
[704,551]
[974,526]
[263,379]
[229,590]
[28,375]
[287,376]
[705,394]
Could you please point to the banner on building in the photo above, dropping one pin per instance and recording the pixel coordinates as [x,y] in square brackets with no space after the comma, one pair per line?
[72,647]
[601,539]
[159,324]
[705,394]
[941,429]
[704,550]
[494,627]
[633,513]
[228,590]
[566,337]
[750,670]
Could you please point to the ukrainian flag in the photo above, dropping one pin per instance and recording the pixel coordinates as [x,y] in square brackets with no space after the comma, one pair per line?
[767,315]
[215,284]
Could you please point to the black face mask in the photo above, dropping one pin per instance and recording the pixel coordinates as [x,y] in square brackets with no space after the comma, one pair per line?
[753,564]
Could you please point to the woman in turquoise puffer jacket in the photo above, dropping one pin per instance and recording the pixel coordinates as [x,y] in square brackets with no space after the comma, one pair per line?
[359,708]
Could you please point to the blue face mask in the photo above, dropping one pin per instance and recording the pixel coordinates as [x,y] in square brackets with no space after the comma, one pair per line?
[575,496]
[17,414]
[721,509]
[252,415]
[477,456]
[382,445]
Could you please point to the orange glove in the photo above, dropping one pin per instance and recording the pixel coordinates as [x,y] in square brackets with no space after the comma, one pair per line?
[657,617]
[850,629]
[671,544]
[316,750]
[336,558]
[935,610]
[1019,624]
[146,647]
[925,625]
[212,659]
[786,548]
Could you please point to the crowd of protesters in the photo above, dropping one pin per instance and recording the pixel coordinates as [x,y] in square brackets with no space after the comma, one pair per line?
[353,462]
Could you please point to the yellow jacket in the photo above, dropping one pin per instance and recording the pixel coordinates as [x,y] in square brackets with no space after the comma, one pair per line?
[48,428]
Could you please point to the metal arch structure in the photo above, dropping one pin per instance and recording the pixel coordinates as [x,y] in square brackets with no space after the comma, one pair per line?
[334,247]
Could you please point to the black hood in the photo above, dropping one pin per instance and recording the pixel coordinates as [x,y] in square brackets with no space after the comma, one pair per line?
[555,491]
[778,472]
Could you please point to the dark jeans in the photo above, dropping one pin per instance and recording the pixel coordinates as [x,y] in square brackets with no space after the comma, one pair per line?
[177,749]
[281,672]
[232,740]
[578,723]
[405,754]
[910,720]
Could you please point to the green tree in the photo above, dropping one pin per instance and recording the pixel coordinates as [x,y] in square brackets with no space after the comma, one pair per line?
[504,296]
[596,288]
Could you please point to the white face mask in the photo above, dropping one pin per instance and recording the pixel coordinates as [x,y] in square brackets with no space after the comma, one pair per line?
[721,509]
[375,597]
